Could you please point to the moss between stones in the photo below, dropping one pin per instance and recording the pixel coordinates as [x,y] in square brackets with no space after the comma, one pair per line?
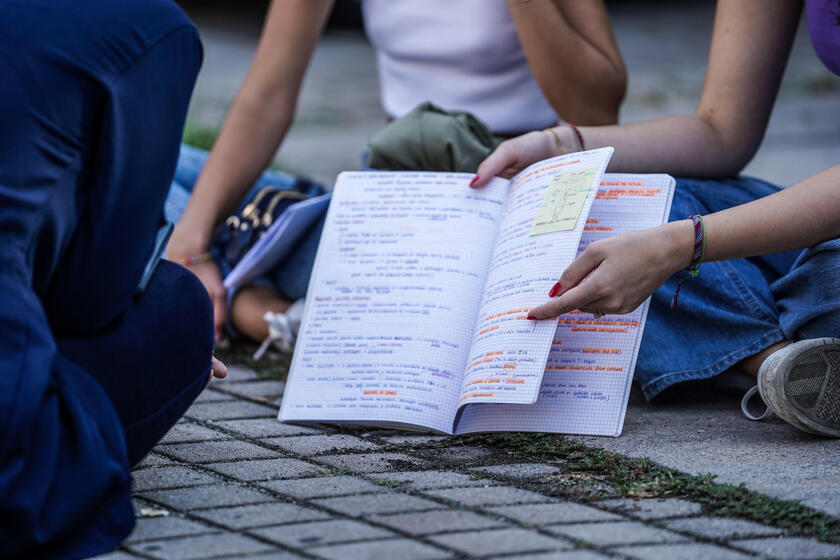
[642,478]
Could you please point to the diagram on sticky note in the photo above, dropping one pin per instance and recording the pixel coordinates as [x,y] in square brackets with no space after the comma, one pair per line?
[563,201]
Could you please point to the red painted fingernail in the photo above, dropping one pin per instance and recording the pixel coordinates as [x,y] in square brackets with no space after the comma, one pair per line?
[532,318]
[474,180]
[554,289]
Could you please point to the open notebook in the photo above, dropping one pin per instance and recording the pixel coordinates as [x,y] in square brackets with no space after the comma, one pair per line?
[416,310]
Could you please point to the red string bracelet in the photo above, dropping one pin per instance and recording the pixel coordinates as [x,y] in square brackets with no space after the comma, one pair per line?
[579,136]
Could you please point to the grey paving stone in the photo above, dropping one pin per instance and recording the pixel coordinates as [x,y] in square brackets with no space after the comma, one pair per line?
[429,522]
[499,541]
[201,546]
[412,440]
[370,504]
[163,527]
[689,551]
[464,453]
[118,555]
[566,555]
[277,555]
[154,460]
[790,547]
[520,470]
[721,527]
[216,495]
[266,469]
[321,443]
[213,451]
[302,535]
[492,495]
[372,462]
[321,486]
[652,508]
[269,389]
[557,512]
[403,549]
[424,480]
[265,427]
[230,410]
[174,476]
[243,517]
[615,533]
[184,432]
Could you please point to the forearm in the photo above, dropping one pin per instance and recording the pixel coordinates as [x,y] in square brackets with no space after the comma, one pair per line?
[245,146]
[573,57]
[258,120]
[797,217]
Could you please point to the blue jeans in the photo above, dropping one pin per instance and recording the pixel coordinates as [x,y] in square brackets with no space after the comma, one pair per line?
[92,104]
[735,308]
[291,276]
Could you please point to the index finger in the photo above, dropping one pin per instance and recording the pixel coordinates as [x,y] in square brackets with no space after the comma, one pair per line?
[576,298]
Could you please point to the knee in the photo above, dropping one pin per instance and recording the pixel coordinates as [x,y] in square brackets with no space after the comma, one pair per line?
[183,320]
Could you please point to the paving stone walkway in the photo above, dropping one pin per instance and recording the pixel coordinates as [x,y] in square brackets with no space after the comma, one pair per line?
[230,481]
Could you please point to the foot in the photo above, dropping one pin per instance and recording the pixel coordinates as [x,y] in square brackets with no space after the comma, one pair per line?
[282,329]
[801,384]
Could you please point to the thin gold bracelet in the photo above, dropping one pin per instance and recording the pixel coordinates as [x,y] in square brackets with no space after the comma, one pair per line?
[557,142]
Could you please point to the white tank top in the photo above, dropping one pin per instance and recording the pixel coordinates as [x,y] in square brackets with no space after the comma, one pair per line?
[458,54]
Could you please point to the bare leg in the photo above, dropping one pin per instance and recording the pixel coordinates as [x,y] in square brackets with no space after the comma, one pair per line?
[750,365]
[249,306]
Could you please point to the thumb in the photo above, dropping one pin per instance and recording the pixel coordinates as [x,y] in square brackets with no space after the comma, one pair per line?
[501,158]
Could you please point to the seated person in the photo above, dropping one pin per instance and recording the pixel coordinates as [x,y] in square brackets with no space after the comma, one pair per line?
[767,299]
[102,347]
[514,65]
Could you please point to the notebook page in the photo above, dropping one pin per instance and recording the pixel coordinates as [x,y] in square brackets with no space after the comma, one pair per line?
[392,299]
[538,237]
[590,368]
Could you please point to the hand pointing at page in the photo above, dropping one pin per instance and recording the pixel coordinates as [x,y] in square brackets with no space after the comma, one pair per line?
[617,274]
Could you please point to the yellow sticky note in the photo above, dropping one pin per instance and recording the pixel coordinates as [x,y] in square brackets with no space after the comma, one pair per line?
[563,201]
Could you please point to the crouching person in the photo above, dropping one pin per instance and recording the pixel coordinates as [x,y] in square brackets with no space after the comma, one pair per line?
[102,345]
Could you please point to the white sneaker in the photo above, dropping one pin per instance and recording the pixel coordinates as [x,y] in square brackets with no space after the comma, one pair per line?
[282,329]
[800,383]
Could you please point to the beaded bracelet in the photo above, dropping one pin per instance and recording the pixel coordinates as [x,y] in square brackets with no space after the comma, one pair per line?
[203,257]
[697,257]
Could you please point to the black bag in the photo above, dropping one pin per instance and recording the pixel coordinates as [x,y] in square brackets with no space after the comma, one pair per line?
[239,232]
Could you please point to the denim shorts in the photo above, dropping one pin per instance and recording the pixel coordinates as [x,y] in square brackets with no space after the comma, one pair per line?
[735,308]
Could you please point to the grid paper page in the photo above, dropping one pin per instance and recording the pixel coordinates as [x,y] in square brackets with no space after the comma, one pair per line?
[590,368]
[392,300]
[508,353]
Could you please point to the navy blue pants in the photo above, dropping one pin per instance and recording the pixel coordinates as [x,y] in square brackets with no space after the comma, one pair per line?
[93,96]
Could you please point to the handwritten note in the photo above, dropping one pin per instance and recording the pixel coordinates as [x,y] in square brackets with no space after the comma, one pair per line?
[564,200]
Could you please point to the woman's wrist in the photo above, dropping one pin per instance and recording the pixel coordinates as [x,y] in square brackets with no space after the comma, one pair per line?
[187,243]
[680,242]
[565,139]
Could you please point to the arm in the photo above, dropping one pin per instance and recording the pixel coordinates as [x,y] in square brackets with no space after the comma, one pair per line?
[574,57]
[258,120]
[726,129]
[624,270]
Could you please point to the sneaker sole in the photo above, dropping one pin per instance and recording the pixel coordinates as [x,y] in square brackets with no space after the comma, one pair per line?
[805,389]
